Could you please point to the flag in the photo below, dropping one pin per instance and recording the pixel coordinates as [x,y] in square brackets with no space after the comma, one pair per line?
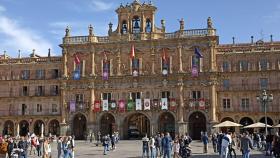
[130,105]
[172,104]
[132,52]
[96,105]
[164,56]
[106,68]
[121,106]
[165,65]
[72,106]
[197,53]
[138,104]
[201,104]
[77,59]
[194,71]
[164,104]
[105,106]
[147,104]
[113,105]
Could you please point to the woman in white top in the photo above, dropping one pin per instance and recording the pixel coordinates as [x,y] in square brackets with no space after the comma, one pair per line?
[152,147]
[176,148]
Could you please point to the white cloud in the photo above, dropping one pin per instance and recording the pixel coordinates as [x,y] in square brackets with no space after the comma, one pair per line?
[15,37]
[98,5]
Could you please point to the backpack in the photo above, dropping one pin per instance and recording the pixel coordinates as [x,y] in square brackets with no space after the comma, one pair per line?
[3,148]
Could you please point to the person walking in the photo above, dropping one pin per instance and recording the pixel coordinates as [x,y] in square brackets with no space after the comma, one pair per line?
[11,146]
[45,148]
[176,148]
[49,148]
[158,145]
[59,147]
[106,141]
[245,145]
[269,139]
[65,147]
[214,140]
[205,141]
[145,147]
[226,141]
[276,145]
[23,146]
[167,145]
[152,147]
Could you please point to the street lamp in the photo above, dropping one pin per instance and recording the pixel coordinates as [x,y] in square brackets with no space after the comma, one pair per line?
[264,99]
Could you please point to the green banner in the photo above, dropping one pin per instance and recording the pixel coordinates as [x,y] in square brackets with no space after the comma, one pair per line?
[130,105]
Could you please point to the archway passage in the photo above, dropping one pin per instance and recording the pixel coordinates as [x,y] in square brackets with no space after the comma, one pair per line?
[23,128]
[79,126]
[54,128]
[245,121]
[197,124]
[226,129]
[167,123]
[136,126]
[8,128]
[39,127]
[107,124]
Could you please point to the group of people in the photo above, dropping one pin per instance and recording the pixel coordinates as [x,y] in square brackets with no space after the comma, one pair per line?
[109,142]
[162,145]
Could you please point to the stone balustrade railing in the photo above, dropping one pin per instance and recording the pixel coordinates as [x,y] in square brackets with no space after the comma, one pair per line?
[31,60]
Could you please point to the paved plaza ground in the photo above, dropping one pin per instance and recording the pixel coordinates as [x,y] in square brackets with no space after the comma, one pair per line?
[132,149]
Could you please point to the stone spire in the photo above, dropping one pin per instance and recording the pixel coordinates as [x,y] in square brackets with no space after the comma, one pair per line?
[182,24]
[67,32]
[163,25]
[49,52]
[19,54]
[110,28]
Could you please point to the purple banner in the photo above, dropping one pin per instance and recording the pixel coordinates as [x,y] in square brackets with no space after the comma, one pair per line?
[72,106]
[194,71]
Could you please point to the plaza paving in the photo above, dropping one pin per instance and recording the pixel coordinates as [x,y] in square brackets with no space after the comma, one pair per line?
[132,149]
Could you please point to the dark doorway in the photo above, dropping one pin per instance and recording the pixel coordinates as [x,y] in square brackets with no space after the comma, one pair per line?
[245,121]
[136,126]
[8,128]
[54,127]
[107,124]
[197,124]
[38,127]
[24,128]
[167,123]
[79,127]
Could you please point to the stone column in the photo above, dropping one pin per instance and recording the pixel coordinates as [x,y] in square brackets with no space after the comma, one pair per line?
[213,104]
[212,56]
[63,125]
[182,126]
[142,22]
[92,62]
[64,54]
[180,58]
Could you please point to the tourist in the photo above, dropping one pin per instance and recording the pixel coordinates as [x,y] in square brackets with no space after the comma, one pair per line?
[39,145]
[33,144]
[269,139]
[176,148]
[145,147]
[152,147]
[59,147]
[158,145]
[214,140]
[65,147]
[167,146]
[226,141]
[71,146]
[276,145]
[11,146]
[45,148]
[3,147]
[219,144]
[23,146]
[49,148]
[245,145]
[113,142]
[205,141]
[162,136]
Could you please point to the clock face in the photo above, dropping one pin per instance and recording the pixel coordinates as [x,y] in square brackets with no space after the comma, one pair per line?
[164,72]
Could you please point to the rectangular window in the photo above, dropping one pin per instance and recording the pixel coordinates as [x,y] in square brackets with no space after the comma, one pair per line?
[79,98]
[165,94]
[226,84]
[40,91]
[226,103]
[54,73]
[54,108]
[264,83]
[135,95]
[39,108]
[24,91]
[243,65]
[135,67]
[107,96]
[25,74]
[225,66]
[23,109]
[196,63]
[263,64]
[40,74]
[54,90]
[245,103]
[196,94]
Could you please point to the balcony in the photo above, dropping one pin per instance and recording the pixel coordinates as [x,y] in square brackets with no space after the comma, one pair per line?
[30,112]
[79,106]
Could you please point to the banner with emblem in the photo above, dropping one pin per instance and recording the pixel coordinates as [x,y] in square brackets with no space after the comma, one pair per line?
[121,106]
[138,103]
[164,104]
[72,105]
[105,105]
[130,105]
[172,104]
[113,105]
[147,104]
[96,107]
[201,103]
[155,104]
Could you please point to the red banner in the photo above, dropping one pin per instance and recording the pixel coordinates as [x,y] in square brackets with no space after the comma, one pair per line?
[172,104]
[97,106]
[121,106]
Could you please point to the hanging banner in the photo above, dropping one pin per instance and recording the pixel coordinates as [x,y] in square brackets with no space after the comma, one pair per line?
[172,104]
[96,106]
[121,106]
[201,104]
[113,105]
[72,106]
[130,105]
[164,104]
[147,104]
[194,71]
[105,105]
[138,104]
[155,104]
[106,68]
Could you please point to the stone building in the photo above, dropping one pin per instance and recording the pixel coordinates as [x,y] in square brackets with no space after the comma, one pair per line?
[139,79]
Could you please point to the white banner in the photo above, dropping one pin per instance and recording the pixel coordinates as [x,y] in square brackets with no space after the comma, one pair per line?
[164,104]
[105,105]
[147,104]
[138,104]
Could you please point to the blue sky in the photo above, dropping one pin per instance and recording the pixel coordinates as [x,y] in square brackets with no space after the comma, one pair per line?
[40,24]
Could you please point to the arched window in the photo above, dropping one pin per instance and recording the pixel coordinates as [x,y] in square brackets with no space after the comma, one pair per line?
[124,27]
[148,26]
[136,24]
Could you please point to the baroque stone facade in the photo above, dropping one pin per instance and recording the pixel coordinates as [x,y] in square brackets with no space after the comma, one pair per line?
[70,93]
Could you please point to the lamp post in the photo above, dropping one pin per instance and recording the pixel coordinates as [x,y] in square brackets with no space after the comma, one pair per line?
[264,98]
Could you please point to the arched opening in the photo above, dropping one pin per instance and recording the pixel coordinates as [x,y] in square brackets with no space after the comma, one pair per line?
[245,121]
[124,27]
[197,124]
[39,127]
[136,126]
[269,122]
[136,25]
[167,123]
[54,127]
[79,126]
[23,128]
[8,128]
[148,26]
[107,124]
[225,129]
